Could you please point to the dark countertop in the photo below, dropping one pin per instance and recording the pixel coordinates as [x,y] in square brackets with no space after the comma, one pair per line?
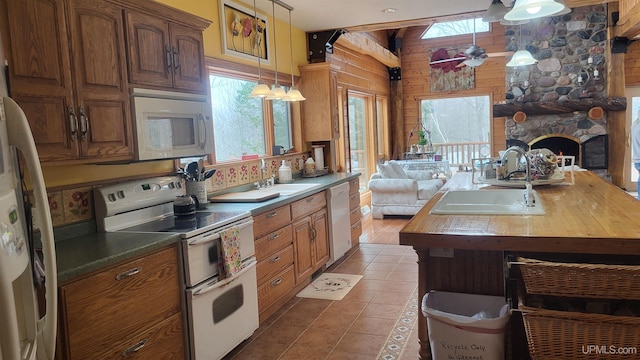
[80,250]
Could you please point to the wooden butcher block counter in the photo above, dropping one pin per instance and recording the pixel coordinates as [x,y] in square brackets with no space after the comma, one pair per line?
[465,253]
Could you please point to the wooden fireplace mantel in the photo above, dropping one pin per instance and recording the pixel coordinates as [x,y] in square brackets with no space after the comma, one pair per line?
[557,107]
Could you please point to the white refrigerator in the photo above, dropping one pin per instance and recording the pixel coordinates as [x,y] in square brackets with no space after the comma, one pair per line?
[24,333]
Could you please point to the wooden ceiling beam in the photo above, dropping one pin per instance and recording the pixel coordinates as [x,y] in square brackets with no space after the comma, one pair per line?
[629,24]
[365,45]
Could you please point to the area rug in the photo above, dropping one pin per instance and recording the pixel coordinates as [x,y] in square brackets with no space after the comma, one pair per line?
[330,286]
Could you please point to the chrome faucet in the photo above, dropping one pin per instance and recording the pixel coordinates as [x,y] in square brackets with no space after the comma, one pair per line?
[528,192]
[266,182]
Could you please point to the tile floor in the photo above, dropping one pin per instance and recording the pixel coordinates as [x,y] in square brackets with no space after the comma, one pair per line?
[376,320]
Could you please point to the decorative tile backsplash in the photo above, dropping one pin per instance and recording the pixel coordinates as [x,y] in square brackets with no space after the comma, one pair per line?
[75,205]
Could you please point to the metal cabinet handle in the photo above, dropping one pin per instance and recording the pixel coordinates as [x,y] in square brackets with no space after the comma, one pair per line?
[84,123]
[176,60]
[310,199]
[273,214]
[355,226]
[167,51]
[73,122]
[354,210]
[276,282]
[135,348]
[273,237]
[275,259]
[128,273]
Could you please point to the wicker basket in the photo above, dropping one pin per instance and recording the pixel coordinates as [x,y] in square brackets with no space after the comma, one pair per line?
[580,280]
[563,335]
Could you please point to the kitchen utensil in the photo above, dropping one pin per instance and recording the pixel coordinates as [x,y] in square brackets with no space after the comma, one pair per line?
[185,205]
[200,170]
[192,170]
[209,173]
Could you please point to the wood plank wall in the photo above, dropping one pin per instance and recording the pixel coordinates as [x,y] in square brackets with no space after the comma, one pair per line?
[360,72]
[490,76]
[632,65]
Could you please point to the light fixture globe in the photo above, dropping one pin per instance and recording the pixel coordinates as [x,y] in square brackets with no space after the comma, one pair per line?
[294,95]
[260,90]
[495,12]
[533,9]
[566,8]
[521,58]
[276,93]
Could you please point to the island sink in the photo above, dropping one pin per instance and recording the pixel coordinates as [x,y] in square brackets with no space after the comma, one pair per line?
[487,202]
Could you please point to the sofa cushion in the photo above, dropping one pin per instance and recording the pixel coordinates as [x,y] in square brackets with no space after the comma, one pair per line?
[419,174]
[428,188]
[391,170]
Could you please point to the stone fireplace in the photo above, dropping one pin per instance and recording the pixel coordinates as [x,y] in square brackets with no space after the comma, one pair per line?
[561,88]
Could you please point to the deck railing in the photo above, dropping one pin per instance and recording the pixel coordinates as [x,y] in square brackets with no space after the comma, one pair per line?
[461,153]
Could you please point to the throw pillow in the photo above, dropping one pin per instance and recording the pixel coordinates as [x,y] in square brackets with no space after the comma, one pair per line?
[391,170]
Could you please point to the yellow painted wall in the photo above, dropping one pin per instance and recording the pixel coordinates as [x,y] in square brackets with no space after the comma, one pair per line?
[213,39]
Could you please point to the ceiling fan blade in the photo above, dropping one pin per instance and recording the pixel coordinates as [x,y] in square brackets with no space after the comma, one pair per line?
[500,54]
[447,60]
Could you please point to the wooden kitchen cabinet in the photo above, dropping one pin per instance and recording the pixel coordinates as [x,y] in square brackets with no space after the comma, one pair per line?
[129,309]
[165,54]
[71,85]
[310,235]
[320,116]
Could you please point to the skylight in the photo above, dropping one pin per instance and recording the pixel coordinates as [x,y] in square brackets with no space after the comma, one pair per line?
[458,27]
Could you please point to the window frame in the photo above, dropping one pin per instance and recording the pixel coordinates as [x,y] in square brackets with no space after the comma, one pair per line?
[224,68]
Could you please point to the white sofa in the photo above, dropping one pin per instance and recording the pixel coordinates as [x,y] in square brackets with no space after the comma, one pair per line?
[395,191]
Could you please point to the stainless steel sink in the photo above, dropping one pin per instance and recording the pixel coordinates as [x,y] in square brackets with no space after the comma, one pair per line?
[487,202]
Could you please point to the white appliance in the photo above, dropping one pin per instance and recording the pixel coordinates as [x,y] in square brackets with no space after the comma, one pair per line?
[171,125]
[23,334]
[220,313]
[339,227]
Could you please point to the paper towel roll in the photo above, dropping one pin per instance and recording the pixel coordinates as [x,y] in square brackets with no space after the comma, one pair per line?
[318,154]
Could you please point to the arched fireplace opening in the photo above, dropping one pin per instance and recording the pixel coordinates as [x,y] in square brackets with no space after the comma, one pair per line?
[590,154]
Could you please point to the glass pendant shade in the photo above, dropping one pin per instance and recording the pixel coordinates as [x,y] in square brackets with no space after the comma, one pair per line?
[495,12]
[276,93]
[566,8]
[521,58]
[294,95]
[533,9]
[260,90]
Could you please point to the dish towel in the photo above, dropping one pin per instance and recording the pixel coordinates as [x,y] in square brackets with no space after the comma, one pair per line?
[232,261]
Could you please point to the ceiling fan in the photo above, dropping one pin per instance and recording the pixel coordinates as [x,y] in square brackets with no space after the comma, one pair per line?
[473,56]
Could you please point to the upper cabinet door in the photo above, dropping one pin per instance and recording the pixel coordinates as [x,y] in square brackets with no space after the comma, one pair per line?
[149,50]
[102,101]
[164,54]
[188,58]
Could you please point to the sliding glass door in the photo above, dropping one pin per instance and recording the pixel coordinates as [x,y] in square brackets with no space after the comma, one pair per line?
[362,139]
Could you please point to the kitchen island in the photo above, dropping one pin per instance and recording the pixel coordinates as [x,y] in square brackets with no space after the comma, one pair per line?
[465,253]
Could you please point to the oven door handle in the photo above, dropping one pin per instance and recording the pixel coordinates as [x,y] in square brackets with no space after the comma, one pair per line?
[227,281]
[216,236]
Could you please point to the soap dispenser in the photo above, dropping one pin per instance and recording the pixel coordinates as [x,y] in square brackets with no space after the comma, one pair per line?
[284,173]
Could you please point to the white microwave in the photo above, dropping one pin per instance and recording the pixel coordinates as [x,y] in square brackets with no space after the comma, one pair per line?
[171,125]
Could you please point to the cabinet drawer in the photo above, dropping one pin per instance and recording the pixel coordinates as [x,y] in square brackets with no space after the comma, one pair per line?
[274,288]
[121,301]
[164,341]
[275,263]
[308,205]
[354,200]
[270,243]
[354,215]
[271,220]
[354,186]
[356,231]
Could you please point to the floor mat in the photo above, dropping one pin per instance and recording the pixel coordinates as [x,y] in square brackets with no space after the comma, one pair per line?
[330,286]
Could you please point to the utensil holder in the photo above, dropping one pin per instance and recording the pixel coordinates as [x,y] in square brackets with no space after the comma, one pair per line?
[199,189]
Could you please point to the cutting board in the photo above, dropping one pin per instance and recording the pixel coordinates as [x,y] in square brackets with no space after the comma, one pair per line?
[246,196]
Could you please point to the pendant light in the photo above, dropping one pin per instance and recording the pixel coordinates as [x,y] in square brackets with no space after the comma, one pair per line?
[261,89]
[293,94]
[277,93]
[495,12]
[503,21]
[533,9]
[521,57]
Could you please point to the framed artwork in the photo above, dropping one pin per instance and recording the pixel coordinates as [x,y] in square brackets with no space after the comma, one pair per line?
[244,35]
[447,71]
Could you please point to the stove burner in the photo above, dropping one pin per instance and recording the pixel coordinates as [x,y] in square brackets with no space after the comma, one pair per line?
[190,225]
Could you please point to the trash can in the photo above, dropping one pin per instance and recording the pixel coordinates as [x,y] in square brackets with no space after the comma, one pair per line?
[465,326]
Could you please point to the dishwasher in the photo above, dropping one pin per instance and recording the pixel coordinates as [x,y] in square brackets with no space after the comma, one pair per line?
[339,227]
